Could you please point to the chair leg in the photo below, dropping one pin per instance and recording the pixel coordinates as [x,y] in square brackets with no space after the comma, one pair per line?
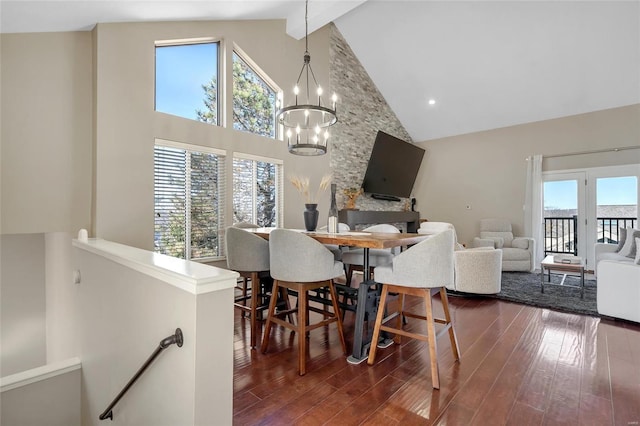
[400,320]
[447,317]
[349,275]
[244,294]
[270,314]
[376,328]
[336,313]
[302,330]
[431,332]
[255,290]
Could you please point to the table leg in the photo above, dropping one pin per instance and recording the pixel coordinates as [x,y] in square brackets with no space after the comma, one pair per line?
[541,279]
[582,283]
[359,350]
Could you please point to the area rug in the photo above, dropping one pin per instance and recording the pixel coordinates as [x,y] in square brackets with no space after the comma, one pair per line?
[524,287]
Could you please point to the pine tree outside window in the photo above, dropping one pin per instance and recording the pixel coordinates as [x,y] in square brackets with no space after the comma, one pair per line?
[189,201]
[186,80]
[254,100]
[257,190]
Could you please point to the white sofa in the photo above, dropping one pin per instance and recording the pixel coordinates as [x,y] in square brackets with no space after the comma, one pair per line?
[618,291]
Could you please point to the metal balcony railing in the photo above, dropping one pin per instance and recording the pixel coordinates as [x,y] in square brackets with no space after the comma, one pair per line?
[561,234]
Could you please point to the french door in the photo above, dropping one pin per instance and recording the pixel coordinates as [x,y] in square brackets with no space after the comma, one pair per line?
[583,207]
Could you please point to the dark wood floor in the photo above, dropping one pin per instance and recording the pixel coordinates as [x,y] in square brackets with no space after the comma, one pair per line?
[520,366]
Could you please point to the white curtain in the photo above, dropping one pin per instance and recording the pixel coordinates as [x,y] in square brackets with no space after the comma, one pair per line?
[533,225]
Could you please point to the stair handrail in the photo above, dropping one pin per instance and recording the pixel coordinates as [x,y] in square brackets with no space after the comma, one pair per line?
[175,338]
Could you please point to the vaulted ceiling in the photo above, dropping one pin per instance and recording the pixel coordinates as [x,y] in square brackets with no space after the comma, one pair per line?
[484,64]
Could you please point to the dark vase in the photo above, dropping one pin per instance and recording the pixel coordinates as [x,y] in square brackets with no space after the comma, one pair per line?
[311,217]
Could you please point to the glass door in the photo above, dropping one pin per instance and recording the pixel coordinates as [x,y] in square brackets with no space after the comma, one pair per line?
[614,192]
[563,214]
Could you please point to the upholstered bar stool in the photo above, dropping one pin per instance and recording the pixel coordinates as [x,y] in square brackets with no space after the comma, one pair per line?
[248,254]
[243,281]
[300,263]
[353,259]
[423,270]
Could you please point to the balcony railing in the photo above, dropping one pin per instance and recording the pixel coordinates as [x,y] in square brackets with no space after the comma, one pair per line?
[561,235]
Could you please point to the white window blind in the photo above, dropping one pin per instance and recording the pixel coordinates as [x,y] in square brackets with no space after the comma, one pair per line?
[257,190]
[189,202]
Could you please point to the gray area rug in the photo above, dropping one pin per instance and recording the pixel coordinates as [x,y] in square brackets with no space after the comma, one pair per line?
[524,287]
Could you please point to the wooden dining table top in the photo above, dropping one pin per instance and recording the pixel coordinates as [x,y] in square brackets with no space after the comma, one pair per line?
[375,240]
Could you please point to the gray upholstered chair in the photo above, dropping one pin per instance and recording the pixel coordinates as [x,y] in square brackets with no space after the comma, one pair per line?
[336,250]
[248,254]
[353,259]
[242,284]
[300,263]
[423,270]
[477,270]
[518,253]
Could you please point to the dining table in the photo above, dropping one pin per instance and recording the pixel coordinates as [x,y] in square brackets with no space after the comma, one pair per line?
[367,291]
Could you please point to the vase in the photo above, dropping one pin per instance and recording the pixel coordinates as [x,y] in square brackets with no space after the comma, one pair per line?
[311,217]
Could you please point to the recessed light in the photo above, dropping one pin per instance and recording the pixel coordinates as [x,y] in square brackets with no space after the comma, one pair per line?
[432,101]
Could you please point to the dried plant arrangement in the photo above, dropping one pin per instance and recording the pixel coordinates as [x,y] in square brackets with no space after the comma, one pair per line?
[301,183]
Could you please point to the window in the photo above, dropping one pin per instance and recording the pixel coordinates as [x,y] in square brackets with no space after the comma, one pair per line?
[254,101]
[257,190]
[187,81]
[189,201]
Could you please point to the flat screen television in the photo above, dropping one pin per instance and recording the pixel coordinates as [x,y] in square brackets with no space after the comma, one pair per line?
[392,169]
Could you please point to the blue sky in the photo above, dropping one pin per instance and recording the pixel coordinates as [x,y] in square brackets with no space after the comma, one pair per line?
[180,73]
[610,191]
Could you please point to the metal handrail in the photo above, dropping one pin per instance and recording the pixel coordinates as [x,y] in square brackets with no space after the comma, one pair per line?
[164,343]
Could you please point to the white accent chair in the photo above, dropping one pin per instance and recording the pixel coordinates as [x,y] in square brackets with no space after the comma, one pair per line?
[423,270]
[518,253]
[478,270]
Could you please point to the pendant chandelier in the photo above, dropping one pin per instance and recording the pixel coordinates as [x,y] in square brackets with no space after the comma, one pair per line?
[306,122]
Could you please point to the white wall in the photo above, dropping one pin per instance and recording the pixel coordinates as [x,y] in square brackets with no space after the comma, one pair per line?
[53,401]
[45,135]
[22,303]
[487,170]
[125,310]
[61,298]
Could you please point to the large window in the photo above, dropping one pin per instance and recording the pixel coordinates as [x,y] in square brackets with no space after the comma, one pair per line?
[254,101]
[189,201]
[187,81]
[257,185]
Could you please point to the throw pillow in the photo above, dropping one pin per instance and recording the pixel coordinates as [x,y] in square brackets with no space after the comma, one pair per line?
[498,242]
[629,249]
[622,237]
[637,251]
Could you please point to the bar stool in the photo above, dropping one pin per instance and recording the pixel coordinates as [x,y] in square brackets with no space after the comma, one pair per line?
[423,270]
[248,254]
[299,263]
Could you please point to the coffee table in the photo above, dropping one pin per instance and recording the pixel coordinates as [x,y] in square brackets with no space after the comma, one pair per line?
[575,268]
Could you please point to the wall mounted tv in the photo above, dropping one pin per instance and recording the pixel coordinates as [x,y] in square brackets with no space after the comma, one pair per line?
[392,169]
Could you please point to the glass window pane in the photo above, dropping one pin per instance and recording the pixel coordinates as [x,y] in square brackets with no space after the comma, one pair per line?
[254,102]
[255,192]
[616,206]
[205,204]
[266,193]
[170,201]
[187,80]
[243,191]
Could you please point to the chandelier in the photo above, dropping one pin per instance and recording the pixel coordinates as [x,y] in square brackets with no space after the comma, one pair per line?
[306,122]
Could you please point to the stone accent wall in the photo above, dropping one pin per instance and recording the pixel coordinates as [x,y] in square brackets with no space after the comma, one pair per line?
[362,111]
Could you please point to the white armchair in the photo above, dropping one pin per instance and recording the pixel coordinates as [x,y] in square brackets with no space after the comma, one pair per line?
[475,270]
[517,252]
